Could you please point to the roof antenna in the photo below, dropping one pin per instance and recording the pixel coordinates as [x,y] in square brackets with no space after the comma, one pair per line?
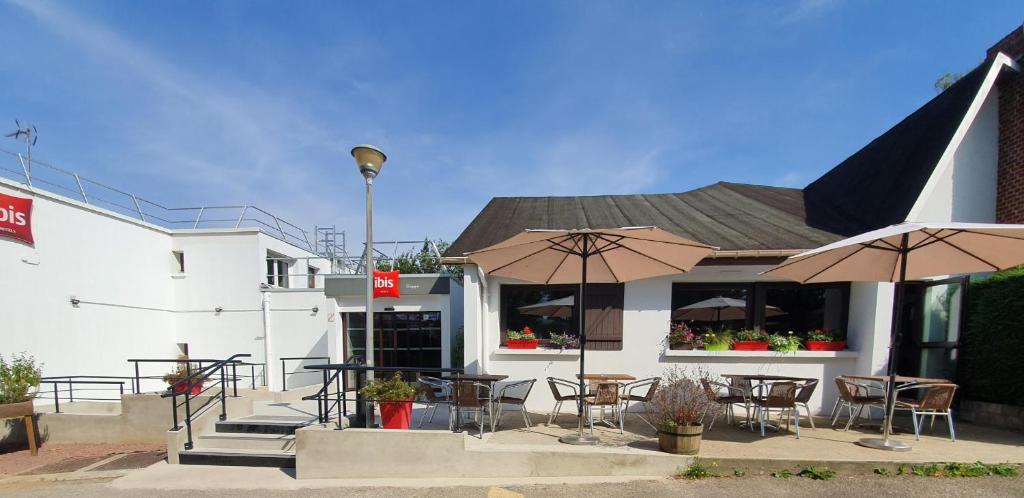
[29,134]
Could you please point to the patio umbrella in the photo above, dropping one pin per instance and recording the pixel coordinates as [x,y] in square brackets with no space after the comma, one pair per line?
[589,255]
[719,308]
[907,251]
[555,308]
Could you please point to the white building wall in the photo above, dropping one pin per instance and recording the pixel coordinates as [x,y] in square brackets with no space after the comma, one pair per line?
[297,331]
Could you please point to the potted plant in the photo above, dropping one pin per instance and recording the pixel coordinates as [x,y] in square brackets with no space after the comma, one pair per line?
[681,336]
[751,340]
[824,340]
[394,396]
[19,383]
[718,341]
[564,341]
[182,371]
[678,406]
[784,343]
[521,340]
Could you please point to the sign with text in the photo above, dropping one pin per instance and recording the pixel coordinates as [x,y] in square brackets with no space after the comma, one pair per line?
[16,218]
[385,284]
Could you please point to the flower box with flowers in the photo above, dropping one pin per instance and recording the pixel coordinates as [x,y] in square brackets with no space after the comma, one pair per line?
[524,339]
[680,336]
[718,341]
[751,340]
[563,341]
[824,340]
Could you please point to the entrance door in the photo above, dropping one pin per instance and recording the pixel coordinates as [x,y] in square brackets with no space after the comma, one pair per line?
[933,320]
[401,339]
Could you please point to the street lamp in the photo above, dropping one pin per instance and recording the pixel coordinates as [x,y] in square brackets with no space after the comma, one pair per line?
[369,160]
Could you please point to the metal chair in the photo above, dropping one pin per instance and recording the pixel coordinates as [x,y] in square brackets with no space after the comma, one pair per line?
[604,394]
[853,395]
[557,385]
[735,396]
[936,400]
[803,396]
[435,392]
[473,397]
[514,393]
[633,394]
[781,396]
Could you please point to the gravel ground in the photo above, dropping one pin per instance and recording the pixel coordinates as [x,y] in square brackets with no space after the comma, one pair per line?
[62,457]
[724,487]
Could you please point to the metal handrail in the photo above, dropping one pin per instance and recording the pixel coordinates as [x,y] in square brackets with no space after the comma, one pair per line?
[71,380]
[184,388]
[285,373]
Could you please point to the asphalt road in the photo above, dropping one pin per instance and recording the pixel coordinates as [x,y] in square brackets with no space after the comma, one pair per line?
[725,487]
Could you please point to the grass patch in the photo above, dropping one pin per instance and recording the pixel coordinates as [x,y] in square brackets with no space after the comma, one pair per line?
[697,470]
[818,473]
[739,472]
[955,469]
[782,474]
[883,471]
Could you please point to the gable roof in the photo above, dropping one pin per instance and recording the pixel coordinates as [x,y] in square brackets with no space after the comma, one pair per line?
[731,216]
[879,184]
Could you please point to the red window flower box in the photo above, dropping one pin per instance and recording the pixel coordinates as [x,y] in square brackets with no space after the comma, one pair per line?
[750,345]
[195,391]
[521,343]
[826,345]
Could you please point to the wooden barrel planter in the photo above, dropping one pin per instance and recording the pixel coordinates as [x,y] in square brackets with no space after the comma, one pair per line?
[680,439]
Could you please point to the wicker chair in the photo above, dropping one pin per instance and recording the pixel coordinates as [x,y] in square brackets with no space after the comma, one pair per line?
[781,396]
[435,392]
[936,400]
[558,391]
[855,397]
[633,394]
[603,394]
[734,396]
[514,393]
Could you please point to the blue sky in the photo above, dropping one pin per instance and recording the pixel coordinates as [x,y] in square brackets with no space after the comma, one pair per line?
[190,103]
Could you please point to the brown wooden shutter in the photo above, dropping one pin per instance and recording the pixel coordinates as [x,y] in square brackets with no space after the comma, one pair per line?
[604,316]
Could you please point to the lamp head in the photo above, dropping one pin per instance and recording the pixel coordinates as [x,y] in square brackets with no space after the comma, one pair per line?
[369,159]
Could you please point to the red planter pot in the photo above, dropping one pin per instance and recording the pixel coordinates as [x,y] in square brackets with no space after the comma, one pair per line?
[750,345]
[826,345]
[521,343]
[196,389]
[396,414]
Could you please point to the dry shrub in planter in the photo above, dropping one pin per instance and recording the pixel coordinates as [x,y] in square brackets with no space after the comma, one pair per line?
[679,405]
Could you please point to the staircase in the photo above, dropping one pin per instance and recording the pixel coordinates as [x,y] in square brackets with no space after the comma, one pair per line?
[253,441]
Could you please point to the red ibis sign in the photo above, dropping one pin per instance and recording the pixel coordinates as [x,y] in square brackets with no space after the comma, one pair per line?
[16,218]
[385,284]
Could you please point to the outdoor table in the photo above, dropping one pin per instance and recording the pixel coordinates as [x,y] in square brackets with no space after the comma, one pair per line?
[613,377]
[902,382]
[488,379]
[752,379]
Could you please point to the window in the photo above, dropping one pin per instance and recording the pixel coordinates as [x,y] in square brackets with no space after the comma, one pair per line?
[312,276]
[712,306]
[277,270]
[548,309]
[773,307]
[802,308]
[179,261]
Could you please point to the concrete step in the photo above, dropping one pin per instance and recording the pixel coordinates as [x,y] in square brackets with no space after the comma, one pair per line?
[262,425]
[242,458]
[241,441]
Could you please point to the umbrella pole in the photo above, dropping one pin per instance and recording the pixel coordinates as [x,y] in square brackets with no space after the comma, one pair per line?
[579,437]
[884,443]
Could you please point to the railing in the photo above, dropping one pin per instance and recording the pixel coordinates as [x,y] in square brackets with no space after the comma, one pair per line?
[138,378]
[285,373]
[94,383]
[196,380]
[364,408]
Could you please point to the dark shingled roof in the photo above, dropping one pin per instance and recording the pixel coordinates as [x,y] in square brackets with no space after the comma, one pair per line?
[877,186]
[731,216]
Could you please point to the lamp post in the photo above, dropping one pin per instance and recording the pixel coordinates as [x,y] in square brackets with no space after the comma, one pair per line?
[370,160]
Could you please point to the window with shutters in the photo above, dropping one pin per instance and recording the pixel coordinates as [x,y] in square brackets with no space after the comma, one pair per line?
[548,309]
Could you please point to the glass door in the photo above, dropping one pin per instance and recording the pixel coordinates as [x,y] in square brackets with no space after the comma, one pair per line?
[934,318]
[401,339]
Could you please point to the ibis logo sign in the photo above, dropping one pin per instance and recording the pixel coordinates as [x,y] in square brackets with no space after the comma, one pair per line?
[385,284]
[16,218]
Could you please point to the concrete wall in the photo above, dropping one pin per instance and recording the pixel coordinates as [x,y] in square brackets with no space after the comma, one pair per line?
[646,319]
[296,331]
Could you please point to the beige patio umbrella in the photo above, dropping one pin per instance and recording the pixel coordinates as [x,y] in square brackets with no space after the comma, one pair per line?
[907,251]
[719,308]
[589,255]
[555,308]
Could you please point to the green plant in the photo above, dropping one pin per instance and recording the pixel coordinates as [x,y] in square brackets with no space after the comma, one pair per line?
[680,399]
[883,471]
[525,335]
[181,371]
[681,333]
[19,378]
[784,343]
[564,341]
[739,472]
[1004,470]
[389,389]
[752,335]
[720,337]
[930,470]
[902,470]
[818,473]
[697,470]
[824,335]
[955,469]
[991,345]
[782,474]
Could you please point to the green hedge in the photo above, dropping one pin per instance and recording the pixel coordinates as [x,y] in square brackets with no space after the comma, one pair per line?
[992,366]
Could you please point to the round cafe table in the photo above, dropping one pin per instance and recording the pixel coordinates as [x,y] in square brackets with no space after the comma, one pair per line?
[751,384]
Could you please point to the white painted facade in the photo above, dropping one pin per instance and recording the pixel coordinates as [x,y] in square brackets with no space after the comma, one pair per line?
[135,303]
